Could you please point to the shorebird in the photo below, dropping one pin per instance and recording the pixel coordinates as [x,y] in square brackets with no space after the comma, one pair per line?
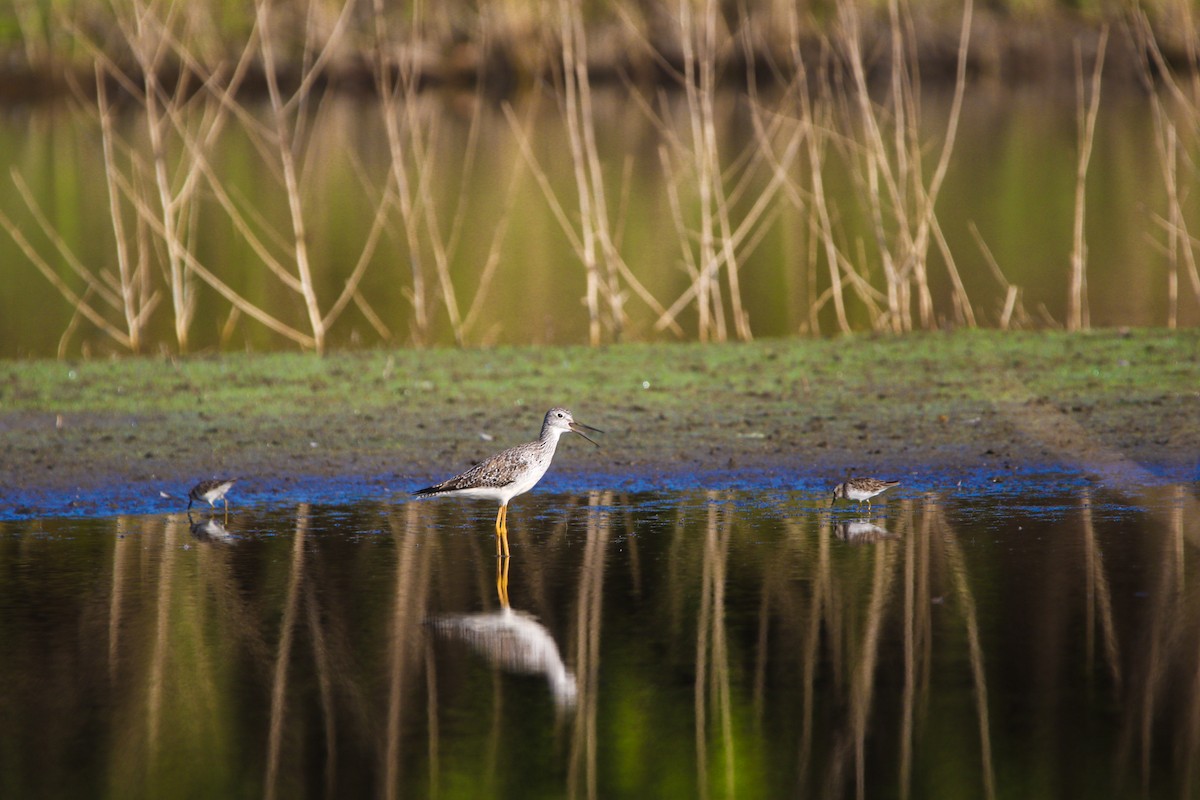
[211,491]
[511,472]
[860,489]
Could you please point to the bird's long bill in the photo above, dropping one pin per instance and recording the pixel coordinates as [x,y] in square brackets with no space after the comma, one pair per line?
[579,427]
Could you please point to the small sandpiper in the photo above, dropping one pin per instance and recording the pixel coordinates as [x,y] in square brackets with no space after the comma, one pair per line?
[211,491]
[511,472]
[860,489]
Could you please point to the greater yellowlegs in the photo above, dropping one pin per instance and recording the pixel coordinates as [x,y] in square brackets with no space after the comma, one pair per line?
[211,491]
[860,489]
[513,471]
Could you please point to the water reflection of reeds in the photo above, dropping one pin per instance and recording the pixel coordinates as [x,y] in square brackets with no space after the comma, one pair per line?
[716,648]
[839,180]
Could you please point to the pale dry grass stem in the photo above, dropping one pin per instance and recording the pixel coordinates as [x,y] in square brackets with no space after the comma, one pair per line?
[138,299]
[412,128]
[590,233]
[1078,317]
[81,302]
[163,184]
[885,157]
[851,117]
[1172,142]
[1013,305]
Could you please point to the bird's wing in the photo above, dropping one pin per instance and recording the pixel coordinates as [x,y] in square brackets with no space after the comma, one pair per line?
[494,471]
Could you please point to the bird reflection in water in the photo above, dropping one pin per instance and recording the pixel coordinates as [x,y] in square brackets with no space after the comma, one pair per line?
[512,640]
[861,532]
[210,530]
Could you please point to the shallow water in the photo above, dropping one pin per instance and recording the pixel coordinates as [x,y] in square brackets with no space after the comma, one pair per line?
[1034,639]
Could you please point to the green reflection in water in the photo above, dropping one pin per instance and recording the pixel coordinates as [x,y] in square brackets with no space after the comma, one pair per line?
[1011,177]
[695,644]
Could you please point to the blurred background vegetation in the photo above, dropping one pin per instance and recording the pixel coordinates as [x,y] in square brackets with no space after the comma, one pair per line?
[503,43]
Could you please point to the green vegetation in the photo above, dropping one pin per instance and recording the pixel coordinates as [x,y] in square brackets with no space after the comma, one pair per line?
[287,384]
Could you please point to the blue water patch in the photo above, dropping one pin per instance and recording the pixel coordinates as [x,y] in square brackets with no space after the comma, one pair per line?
[1032,486]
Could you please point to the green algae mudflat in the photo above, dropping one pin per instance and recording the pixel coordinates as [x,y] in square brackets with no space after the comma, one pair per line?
[966,399]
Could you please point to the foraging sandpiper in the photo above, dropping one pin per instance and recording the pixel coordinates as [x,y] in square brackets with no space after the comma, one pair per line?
[860,489]
[211,491]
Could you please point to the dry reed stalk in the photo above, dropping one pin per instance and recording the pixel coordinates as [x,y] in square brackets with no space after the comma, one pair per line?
[752,228]
[719,239]
[150,33]
[1156,72]
[1012,294]
[610,283]
[1077,307]
[576,238]
[711,319]
[595,233]
[417,296]
[409,138]
[587,219]
[150,48]
[279,143]
[1168,155]
[72,325]
[871,167]
[490,264]
[146,213]
[887,164]
[80,302]
[928,196]
[136,305]
[728,254]
[823,222]
[962,304]
[152,221]
[286,127]
[753,225]
[428,213]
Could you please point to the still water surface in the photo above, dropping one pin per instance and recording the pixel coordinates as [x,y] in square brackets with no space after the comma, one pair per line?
[510,267]
[1005,642]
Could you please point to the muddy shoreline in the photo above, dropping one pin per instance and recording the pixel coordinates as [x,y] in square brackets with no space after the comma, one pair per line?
[114,437]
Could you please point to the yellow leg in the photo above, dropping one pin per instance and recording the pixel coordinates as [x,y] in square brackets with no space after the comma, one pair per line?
[502,581]
[502,532]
